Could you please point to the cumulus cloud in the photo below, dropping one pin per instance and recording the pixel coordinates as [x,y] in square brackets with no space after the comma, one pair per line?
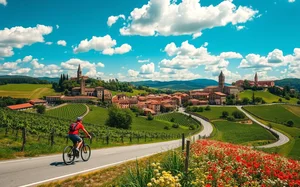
[49,43]
[18,37]
[105,44]
[275,56]
[100,64]
[21,71]
[36,65]
[113,19]
[57,26]
[240,27]
[51,70]
[144,61]
[9,65]
[292,1]
[133,73]
[3,2]
[189,17]
[61,42]
[27,58]
[147,68]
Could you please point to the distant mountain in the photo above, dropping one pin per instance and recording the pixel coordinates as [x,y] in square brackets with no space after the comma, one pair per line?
[49,79]
[178,85]
[291,82]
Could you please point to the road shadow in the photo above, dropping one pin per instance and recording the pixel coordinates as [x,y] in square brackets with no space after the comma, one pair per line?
[61,164]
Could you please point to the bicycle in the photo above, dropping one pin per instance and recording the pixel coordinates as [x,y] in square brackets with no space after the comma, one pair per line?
[70,152]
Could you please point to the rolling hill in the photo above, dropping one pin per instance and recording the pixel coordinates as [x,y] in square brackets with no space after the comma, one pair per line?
[291,82]
[178,85]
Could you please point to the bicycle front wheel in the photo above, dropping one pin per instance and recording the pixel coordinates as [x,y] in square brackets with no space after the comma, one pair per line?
[85,152]
[68,155]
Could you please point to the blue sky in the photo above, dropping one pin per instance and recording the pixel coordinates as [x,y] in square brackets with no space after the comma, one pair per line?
[151,40]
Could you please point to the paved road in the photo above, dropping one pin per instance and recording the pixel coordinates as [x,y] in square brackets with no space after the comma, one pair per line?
[33,171]
[282,139]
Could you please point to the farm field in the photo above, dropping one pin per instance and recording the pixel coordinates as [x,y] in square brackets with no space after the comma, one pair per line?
[179,119]
[237,133]
[31,91]
[69,111]
[276,113]
[267,96]
[134,93]
[216,112]
[98,115]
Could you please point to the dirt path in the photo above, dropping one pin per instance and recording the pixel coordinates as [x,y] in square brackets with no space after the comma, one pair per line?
[87,110]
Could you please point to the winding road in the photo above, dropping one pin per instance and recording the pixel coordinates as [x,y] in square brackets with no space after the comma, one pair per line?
[34,171]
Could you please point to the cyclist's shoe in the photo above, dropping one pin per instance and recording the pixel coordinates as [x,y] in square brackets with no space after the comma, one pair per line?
[77,153]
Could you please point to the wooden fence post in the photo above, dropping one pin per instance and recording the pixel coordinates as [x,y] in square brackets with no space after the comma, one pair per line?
[186,166]
[183,141]
[52,137]
[107,140]
[23,138]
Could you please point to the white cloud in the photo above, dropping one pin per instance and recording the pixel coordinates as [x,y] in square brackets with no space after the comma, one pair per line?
[162,17]
[9,65]
[275,56]
[57,26]
[143,61]
[20,71]
[51,70]
[113,19]
[18,37]
[49,43]
[61,42]
[104,44]
[3,2]
[100,65]
[36,64]
[6,51]
[133,73]
[147,68]
[230,55]
[292,1]
[19,61]
[27,58]
[240,27]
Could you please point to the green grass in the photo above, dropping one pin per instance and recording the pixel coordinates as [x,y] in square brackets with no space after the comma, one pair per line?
[276,113]
[216,112]
[242,133]
[97,115]
[69,111]
[179,119]
[266,95]
[134,93]
[31,91]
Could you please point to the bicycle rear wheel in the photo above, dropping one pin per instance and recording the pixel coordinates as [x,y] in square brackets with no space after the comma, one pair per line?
[85,152]
[68,155]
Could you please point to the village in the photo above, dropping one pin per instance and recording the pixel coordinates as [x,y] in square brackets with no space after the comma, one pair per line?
[149,104]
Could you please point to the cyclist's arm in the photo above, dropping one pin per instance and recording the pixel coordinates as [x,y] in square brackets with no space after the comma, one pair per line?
[86,132]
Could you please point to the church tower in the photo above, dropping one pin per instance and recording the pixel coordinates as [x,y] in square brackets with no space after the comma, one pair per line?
[256,79]
[79,73]
[82,86]
[221,82]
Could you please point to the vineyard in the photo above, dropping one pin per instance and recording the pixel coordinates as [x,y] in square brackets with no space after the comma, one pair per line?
[29,134]
[70,111]
[179,119]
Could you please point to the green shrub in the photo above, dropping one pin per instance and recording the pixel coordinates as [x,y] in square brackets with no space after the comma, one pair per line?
[176,126]
[290,123]
[230,118]
[207,108]
[167,128]
[287,97]
[150,117]
[238,114]
[225,114]
[41,109]
[192,127]
[172,120]
[298,102]
[199,109]
[279,100]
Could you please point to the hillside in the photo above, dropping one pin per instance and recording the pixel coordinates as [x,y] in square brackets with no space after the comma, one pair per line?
[49,79]
[291,82]
[178,85]
[16,79]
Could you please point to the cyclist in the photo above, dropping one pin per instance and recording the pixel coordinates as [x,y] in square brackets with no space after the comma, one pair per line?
[74,133]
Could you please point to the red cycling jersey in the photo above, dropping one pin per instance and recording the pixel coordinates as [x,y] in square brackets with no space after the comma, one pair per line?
[79,126]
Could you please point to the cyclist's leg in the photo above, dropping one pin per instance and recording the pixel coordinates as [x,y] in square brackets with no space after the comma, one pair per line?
[79,141]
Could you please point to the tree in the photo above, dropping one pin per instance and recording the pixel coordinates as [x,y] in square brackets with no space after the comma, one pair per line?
[253,98]
[245,101]
[238,114]
[150,117]
[207,108]
[41,109]
[172,120]
[119,118]
[225,114]
[280,100]
[290,123]
[298,102]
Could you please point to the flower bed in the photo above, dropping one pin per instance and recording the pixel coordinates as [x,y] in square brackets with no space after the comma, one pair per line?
[222,164]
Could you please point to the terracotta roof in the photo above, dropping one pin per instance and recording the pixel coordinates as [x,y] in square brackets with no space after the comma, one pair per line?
[133,101]
[177,93]
[203,101]
[185,95]
[149,110]
[124,101]
[71,98]
[201,93]
[142,98]
[212,87]
[153,102]
[76,88]
[37,101]
[220,94]
[20,106]
[167,105]
[89,89]
[193,100]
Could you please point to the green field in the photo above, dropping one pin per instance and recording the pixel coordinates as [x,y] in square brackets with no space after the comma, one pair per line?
[98,115]
[69,111]
[277,113]
[179,119]
[266,95]
[134,93]
[242,133]
[216,112]
[31,91]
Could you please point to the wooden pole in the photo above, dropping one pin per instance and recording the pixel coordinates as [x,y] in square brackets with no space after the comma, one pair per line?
[183,141]
[186,166]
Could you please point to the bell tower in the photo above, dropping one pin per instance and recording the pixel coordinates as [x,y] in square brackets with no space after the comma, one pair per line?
[79,73]
[256,79]
[221,82]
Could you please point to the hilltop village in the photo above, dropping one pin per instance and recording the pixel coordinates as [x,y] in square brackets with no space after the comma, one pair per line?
[154,104]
